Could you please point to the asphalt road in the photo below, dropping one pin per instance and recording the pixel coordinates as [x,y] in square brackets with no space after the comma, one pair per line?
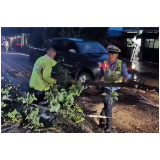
[16,68]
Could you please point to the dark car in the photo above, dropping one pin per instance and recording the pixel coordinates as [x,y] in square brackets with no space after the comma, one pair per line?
[80,57]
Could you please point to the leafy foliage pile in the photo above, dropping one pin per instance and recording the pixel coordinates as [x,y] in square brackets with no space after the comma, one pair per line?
[24,109]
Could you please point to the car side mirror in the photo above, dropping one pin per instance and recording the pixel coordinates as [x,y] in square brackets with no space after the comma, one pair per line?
[72,50]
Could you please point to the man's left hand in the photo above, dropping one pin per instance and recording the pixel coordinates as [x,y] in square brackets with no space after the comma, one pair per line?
[73,81]
[125,79]
[99,80]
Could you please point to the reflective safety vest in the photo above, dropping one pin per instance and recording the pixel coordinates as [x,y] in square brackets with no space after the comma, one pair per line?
[115,75]
[41,75]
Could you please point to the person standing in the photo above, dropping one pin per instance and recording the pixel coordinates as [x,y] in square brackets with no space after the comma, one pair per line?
[6,45]
[115,71]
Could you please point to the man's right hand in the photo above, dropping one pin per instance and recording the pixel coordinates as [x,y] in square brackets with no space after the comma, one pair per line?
[56,77]
[73,81]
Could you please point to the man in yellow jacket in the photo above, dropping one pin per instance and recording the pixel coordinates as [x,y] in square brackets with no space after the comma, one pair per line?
[41,75]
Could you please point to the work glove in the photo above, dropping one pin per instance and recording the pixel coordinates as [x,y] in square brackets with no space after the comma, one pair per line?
[56,77]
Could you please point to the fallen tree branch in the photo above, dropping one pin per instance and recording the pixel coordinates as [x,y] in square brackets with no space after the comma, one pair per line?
[61,112]
[96,116]
[152,104]
[128,85]
[145,100]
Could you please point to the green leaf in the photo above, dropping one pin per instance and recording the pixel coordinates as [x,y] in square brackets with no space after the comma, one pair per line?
[9,114]
[80,110]
[72,87]
[116,98]
[27,94]
[55,108]
[115,94]
[104,94]
[61,96]
[3,104]
[80,120]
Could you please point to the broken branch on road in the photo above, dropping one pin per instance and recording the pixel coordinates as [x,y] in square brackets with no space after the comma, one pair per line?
[147,101]
[128,85]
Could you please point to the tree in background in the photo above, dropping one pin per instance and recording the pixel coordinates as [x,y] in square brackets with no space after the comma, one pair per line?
[95,33]
[52,32]
[89,33]
[38,35]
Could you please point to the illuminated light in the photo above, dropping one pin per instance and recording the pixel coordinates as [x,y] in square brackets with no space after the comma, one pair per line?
[129,68]
[105,65]
[17,44]
[133,66]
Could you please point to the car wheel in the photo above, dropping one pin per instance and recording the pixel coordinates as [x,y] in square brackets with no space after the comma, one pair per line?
[83,77]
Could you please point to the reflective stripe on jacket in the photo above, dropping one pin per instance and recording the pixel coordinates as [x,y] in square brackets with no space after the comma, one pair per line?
[115,75]
[41,75]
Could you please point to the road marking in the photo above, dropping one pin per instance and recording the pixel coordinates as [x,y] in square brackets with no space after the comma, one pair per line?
[25,55]
[16,54]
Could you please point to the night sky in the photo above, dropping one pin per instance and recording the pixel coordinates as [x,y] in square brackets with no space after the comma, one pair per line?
[116,28]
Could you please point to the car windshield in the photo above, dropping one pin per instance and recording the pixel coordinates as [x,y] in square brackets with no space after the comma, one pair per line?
[91,48]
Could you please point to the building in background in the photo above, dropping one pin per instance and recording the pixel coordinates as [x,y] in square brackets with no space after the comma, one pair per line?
[2,41]
[144,33]
[147,43]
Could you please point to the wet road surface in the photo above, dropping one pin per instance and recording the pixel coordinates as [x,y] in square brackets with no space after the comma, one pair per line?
[16,68]
[149,68]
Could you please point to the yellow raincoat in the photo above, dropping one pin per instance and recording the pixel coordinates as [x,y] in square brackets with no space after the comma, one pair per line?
[41,75]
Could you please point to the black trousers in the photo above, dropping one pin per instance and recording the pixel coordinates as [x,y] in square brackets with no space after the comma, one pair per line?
[107,110]
[38,94]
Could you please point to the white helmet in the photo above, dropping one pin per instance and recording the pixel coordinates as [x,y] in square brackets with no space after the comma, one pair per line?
[113,49]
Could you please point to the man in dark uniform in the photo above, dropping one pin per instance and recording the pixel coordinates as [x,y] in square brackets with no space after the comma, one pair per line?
[115,71]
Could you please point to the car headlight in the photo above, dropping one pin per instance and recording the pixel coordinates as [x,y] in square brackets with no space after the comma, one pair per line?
[133,66]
